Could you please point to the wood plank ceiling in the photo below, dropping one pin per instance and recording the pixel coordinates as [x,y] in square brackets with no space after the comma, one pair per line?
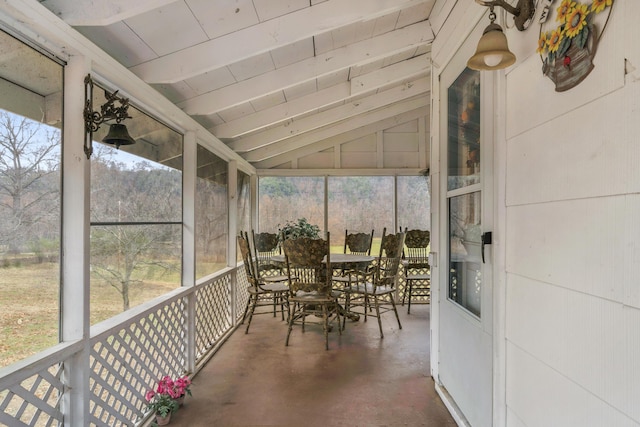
[272,79]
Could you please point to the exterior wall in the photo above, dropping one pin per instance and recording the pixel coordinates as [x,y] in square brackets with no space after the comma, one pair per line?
[572,184]
[566,294]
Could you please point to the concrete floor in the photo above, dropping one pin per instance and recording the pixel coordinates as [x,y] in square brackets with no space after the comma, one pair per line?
[362,380]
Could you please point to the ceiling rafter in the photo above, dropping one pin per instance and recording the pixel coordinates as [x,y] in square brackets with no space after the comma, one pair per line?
[334,115]
[360,53]
[101,12]
[340,139]
[316,135]
[263,37]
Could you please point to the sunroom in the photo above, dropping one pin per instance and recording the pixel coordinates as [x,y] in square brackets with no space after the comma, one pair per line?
[139,138]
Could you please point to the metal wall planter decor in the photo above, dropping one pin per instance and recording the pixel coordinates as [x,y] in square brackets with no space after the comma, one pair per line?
[569,33]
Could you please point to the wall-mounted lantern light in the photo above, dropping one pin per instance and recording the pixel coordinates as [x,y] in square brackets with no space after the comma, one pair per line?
[118,134]
[493,51]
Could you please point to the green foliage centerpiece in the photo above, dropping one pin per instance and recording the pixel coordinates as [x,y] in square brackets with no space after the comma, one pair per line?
[299,228]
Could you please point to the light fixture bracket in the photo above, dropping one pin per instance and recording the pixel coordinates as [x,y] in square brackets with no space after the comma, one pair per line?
[109,111]
[523,12]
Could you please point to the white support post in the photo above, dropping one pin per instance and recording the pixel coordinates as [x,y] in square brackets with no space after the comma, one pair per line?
[74,297]
[232,179]
[189,177]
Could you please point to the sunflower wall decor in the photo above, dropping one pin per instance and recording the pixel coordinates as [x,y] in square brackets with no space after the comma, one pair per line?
[567,44]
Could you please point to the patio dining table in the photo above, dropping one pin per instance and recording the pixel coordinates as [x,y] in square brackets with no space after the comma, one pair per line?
[337,258]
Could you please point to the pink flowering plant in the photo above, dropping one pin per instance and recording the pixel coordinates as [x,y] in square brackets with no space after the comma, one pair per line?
[162,399]
[182,386]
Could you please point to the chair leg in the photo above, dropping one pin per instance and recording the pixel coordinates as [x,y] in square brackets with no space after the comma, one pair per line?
[409,302]
[291,317]
[325,319]
[393,304]
[254,302]
[375,300]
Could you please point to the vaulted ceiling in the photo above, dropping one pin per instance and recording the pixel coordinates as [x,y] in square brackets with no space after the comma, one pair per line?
[271,77]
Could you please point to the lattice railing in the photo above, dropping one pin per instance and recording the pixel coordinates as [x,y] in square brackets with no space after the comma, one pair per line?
[128,354]
[124,364]
[30,394]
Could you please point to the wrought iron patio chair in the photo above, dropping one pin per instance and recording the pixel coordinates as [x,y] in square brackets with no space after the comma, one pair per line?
[416,267]
[354,243]
[261,294]
[266,246]
[378,284]
[308,266]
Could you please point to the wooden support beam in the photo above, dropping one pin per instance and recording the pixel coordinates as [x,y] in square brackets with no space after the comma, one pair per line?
[337,140]
[100,12]
[266,36]
[314,136]
[366,51]
[334,115]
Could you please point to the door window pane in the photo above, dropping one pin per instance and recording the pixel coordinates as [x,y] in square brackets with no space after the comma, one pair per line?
[463,130]
[465,253]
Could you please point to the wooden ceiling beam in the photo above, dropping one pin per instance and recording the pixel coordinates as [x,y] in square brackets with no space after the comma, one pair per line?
[334,115]
[360,53]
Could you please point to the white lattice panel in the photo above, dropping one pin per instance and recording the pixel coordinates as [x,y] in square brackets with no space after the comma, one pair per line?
[127,363]
[34,401]
[213,314]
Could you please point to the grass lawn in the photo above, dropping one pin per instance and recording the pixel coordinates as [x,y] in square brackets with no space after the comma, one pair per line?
[29,302]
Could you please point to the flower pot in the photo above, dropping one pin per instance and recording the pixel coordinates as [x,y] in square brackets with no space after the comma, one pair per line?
[163,421]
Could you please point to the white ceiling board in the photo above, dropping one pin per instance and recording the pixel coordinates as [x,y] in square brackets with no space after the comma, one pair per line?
[358,70]
[172,19]
[349,110]
[333,79]
[269,9]
[414,14]
[283,112]
[237,111]
[211,80]
[352,33]
[209,121]
[340,139]
[300,90]
[392,74]
[176,92]
[364,51]
[269,101]
[386,23]
[294,52]
[218,18]
[100,12]
[323,43]
[263,37]
[399,57]
[316,135]
[119,41]
[251,67]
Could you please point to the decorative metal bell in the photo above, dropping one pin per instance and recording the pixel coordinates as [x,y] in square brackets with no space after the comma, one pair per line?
[118,135]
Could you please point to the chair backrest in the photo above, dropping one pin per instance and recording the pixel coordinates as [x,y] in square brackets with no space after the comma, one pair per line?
[308,264]
[388,265]
[248,259]
[265,245]
[358,243]
[416,248]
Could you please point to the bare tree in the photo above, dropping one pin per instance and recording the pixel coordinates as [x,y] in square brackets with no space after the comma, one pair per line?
[130,208]
[28,191]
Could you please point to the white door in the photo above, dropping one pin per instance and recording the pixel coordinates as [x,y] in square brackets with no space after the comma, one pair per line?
[465,288]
